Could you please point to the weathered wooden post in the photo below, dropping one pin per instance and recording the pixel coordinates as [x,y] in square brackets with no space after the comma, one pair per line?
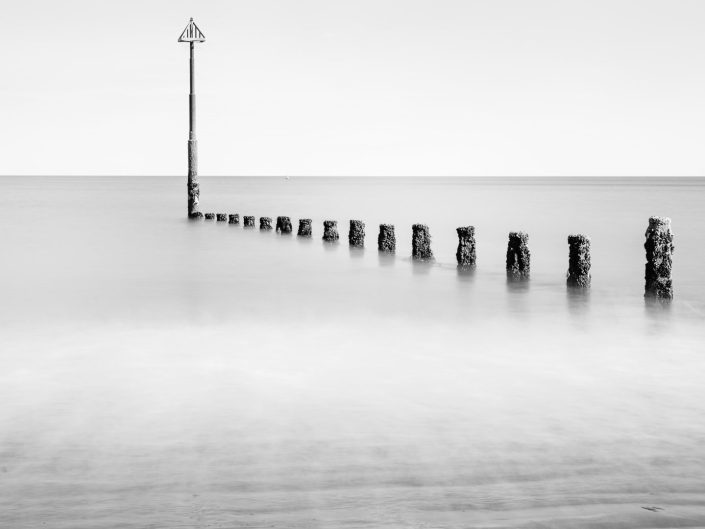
[421,243]
[466,246]
[248,221]
[356,235]
[578,261]
[221,217]
[284,225]
[210,216]
[518,255]
[192,35]
[330,230]
[659,259]
[305,228]
[234,218]
[265,223]
[386,240]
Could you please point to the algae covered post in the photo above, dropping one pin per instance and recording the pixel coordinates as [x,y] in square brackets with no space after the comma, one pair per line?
[518,255]
[386,240]
[330,230]
[192,35]
[248,221]
[304,228]
[421,243]
[465,253]
[659,259]
[265,223]
[356,235]
[578,261]
[284,225]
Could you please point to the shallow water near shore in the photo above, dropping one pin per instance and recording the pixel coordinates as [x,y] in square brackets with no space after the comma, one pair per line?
[157,372]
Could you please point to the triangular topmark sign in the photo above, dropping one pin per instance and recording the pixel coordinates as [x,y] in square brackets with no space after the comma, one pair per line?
[192,34]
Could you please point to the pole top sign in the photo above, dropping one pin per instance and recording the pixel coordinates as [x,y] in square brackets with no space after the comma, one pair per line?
[192,33]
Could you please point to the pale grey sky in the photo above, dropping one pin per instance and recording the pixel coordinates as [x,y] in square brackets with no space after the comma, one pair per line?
[358,87]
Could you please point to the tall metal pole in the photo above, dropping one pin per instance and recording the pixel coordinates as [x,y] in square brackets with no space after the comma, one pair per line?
[192,35]
[193,187]
[192,96]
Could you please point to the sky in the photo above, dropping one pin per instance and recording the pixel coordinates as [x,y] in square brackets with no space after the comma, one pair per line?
[357,87]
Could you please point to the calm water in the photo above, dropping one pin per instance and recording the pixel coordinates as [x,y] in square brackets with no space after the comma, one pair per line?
[156,372]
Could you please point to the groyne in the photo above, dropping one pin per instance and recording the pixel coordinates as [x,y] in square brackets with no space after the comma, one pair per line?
[658,245]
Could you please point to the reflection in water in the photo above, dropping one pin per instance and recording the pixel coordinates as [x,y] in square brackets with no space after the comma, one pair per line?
[659,313]
[422,268]
[578,300]
[518,300]
[330,246]
[356,252]
[304,240]
[517,283]
[466,274]
[386,258]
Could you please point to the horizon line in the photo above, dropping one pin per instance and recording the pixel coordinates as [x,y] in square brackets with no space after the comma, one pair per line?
[164,175]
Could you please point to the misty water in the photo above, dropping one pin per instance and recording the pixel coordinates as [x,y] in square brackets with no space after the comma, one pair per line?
[156,372]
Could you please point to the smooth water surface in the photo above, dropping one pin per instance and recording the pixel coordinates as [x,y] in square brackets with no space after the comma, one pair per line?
[156,372]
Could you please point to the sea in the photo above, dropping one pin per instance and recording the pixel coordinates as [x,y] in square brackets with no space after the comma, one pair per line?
[157,372]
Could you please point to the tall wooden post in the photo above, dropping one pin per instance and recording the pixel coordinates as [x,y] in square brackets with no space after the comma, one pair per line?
[659,259]
[192,35]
